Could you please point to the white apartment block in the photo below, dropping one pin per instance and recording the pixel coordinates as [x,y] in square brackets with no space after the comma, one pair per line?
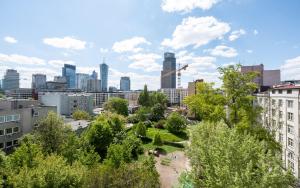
[175,96]
[281,111]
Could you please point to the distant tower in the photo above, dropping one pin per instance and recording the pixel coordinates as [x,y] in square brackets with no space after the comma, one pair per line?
[38,81]
[69,72]
[125,83]
[11,80]
[104,75]
[168,74]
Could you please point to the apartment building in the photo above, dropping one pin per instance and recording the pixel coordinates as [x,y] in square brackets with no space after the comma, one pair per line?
[175,96]
[19,117]
[67,103]
[281,111]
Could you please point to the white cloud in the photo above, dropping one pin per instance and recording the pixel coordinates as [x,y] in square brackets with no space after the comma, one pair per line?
[236,34]
[60,63]
[291,68]
[255,32]
[223,51]
[250,51]
[66,42]
[104,50]
[196,31]
[130,45]
[145,62]
[21,59]
[11,40]
[186,5]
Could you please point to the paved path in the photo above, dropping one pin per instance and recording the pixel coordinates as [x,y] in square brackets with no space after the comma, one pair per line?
[169,174]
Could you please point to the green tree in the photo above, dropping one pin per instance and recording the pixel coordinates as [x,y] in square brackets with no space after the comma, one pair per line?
[158,98]
[238,90]
[52,132]
[117,105]
[157,112]
[140,129]
[223,157]
[144,98]
[100,135]
[175,123]
[157,140]
[80,115]
[52,171]
[143,113]
[208,104]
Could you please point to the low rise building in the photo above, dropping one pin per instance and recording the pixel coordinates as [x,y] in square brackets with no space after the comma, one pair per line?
[22,93]
[67,103]
[19,117]
[175,96]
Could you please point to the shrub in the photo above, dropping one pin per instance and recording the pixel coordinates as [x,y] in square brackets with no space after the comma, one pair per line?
[160,124]
[140,129]
[175,123]
[157,140]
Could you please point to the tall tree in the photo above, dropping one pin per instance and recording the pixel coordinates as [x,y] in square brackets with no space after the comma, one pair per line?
[144,97]
[208,104]
[238,90]
[117,105]
[223,157]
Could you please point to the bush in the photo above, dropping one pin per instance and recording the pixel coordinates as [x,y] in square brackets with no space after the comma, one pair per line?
[143,113]
[175,123]
[157,140]
[80,115]
[140,129]
[148,123]
[160,124]
[133,119]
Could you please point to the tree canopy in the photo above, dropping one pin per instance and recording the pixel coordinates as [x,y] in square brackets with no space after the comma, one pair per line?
[117,105]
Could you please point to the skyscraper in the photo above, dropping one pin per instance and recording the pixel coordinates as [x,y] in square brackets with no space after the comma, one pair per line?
[82,81]
[94,75]
[11,80]
[69,72]
[168,74]
[38,81]
[125,83]
[104,76]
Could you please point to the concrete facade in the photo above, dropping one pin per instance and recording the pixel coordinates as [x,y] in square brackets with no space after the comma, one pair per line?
[19,117]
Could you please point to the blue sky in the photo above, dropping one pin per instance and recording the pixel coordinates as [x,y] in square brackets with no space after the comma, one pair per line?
[39,36]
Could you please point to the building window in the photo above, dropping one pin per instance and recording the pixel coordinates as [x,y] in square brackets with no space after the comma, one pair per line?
[1,132]
[16,142]
[8,131]
[273,112]
[290,129]
[2,119]
[273,101]
[290,142]
[289,91]
[280,137]
[273,91]
[280,124]
[16,129]
[291,155]
[8,118]
[280,102]
[280,91]
[1,145]
[280,114]
[291,165]
[273,123]
[290,104]
[8,144]
[260,100]
[290,116]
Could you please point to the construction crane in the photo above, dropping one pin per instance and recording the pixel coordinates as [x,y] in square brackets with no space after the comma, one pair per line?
[178,71]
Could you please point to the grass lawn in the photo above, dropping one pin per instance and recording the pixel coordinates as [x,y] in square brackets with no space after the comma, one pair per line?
[166,135]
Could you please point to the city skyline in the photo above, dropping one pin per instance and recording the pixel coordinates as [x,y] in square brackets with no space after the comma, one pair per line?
[247,33]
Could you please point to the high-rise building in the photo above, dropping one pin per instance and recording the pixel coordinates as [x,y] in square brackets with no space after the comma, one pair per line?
[94,75]
[265,78]
[82,81]
[11,80]
[39,81]
[104,76]
[69,72]
[93,85]
[125,83]
[168,74]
